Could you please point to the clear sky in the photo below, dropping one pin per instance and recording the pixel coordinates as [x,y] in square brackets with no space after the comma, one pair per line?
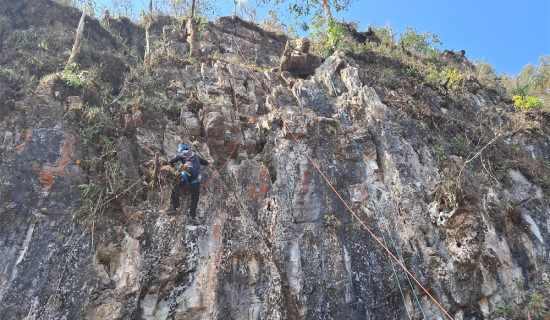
[508,34]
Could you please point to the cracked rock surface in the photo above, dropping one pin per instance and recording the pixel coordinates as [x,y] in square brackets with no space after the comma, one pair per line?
[275,242]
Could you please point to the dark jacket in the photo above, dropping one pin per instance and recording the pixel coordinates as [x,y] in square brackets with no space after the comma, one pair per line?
[189,159]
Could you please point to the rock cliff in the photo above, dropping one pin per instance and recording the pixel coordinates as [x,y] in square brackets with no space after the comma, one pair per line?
[460,177]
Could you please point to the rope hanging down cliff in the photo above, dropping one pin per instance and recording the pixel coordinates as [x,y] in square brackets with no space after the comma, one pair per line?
[336,192]
[377,208]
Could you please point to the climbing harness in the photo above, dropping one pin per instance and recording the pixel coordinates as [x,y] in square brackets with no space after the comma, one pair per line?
[335,191]
[378,209]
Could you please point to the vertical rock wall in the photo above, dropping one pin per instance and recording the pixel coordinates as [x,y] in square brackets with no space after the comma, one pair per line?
[274,241]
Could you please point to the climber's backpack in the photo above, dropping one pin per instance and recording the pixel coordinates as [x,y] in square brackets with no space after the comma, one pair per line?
[191,175]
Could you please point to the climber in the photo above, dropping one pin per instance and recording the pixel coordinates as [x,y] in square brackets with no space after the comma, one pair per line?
[191,176]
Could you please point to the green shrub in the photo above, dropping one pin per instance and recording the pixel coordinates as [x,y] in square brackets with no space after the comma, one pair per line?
[94,114]
[535,304]
[413,72]
[459,145]
[486,72]
[503,311]
[88,133]
[452,77]
[115,176]
[24,38]
[425,43]
[7,72]
[362,49]
[336,32]
[440,154]
[385,34]
[109,143]
[432,75]
[386,77]
[520,90]
[73,77]
[527,102]
[90,194]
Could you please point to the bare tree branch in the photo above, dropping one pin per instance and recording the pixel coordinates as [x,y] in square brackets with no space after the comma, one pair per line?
[76,46]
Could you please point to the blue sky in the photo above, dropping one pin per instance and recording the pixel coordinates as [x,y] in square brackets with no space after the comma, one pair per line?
[508,34]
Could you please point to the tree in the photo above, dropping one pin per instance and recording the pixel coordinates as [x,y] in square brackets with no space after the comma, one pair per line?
[321,20]
[193,51]
[275,24]
[148,21]
[532,83]
[421,43]
[191,11]
[249,10]
[78,38]
[326,7]
[182,8]
[319,8]
[307,7]
[121,8]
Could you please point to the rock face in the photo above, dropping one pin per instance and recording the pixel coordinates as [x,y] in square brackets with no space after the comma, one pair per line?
[297,59]
[275,242]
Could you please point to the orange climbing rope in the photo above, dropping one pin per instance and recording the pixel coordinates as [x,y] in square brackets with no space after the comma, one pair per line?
[335,191]
[240,128]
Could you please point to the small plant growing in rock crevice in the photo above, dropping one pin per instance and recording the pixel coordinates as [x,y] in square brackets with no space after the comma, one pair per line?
[452,78]
[107,257]
[74,77]
[460,145]
[536,302]
[109,185]
[386,77]
[440,154]
[330,129]
[90,192]
[530,304]
[330,221]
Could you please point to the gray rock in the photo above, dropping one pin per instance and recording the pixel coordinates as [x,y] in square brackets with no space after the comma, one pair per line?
[275,241]
[312,96]
[213,123]
[297,60]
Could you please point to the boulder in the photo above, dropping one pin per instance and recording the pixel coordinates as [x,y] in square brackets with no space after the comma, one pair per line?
[297,60]
[213,125]
[193,126]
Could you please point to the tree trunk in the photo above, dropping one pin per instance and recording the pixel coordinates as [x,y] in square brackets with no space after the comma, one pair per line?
[76,46]
[147,27]
[147,47]
[193,51]
[326,7]
[192,38]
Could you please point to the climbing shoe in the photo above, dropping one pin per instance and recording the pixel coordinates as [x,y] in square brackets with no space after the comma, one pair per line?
[194,221]
[174,211]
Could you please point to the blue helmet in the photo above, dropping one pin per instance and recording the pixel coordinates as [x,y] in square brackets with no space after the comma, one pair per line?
[183,147]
